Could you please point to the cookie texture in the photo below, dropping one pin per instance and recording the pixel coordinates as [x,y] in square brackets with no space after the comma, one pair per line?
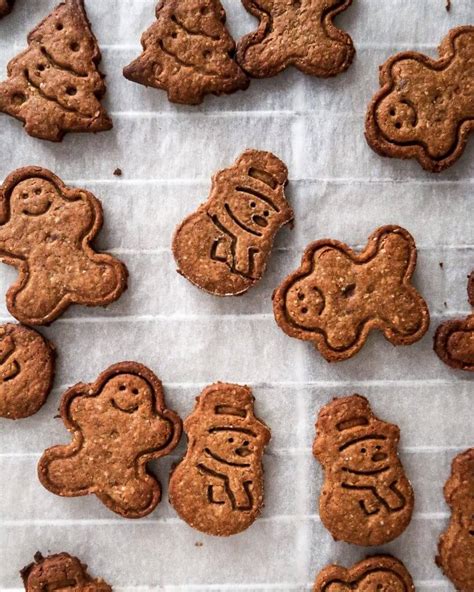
[188,52]
[217,487]
[5,7]
[300,34]
[337,296]
[425,107]
[60,572]
[54,86]
[118,423]
[381,573]
[456,544]
[366,499]
[223,247]
[454,340]
[46,231]
[26,371]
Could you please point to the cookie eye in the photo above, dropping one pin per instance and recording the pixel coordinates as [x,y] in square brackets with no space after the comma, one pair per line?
[74,46]
[363,450]
[266,213]
[122,387]
[253,204]
[300,296]
[230,440]
[304,310]
[392,112]
[38,191]
[59,26]
[246,442]
[378,448]
[135,391]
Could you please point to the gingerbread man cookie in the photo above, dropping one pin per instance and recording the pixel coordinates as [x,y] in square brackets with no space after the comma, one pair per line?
[296,33]
[425,108]
[60,572]
[337,296]
[454,340]
[380,573]
[366,498]
[5,7]
[217,488]
[46,231]
[119,423]
[223,247]
[456,544]
[26,371]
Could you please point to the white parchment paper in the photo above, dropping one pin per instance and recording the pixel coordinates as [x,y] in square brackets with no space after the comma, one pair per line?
[339,188]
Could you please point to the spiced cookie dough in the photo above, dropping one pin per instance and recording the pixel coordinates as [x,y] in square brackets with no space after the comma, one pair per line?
[26,371]
[119,423]
[46,232]
[366,498]
[5,7]
[300,34]
[425,108]
[55,86]
[217,487]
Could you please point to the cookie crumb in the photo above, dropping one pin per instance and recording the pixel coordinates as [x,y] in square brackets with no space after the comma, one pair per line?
[118,172]
[448,5]
[441,264]
[198,544]
[445,305]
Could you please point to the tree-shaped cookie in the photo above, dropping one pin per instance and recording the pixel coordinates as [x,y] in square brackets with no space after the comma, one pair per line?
[298,33]
[5,7]
[454,340]
[46,230]
[54,86]
[188,52]
[119,423]
[336,296]
[425,108]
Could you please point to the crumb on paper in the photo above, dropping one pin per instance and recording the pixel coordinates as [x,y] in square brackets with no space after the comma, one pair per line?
[441,264]
[445,305]
[198,544]
[118,172]
[448,5]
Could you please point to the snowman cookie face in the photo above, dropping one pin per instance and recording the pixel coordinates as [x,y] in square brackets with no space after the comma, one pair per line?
[368,455]
[231,446]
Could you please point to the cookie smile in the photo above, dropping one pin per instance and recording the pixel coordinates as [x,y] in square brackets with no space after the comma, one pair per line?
[131,409]
[223,460]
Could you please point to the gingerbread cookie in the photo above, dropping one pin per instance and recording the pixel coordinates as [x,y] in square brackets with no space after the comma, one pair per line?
[5,7]
[46,231]
[188,52]
[456,544]
[119,423]
[454,340]
[425,108]
[26,371]
[54,86]
[60,572]
[366,498]
[223,247]
[337,296]
[217,488]
[381,573]
[296,33]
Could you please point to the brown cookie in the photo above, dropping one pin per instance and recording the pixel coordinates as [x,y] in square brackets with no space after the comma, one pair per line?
[46,230]
[223,247]
[366,498]
[119,423]
[60,572]
[188,52]
[337,296]
[217,487]
[456,544]
[425,108]
[6,7]
[381,573]
[296,33]
[454,340]
[54,86]
[26,371]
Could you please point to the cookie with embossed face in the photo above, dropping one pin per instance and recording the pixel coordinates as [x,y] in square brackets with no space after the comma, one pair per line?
[296,33]
[119,423]
[425,108]
[454,340]
[380,573]
[26,371]
[224,246]
[60,572]
[46,231]
[456,544]
[337,296]
[5,7]
[217,487]
[366,498]
[55,86]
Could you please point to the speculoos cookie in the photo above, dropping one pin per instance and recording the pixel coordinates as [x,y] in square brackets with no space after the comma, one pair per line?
[54,86]
[425,107]
[27,363]
[366,498]
[5,7]
[119,423]
[337,296]
[300,34]
[217,487]
[188,52]
[223,247]
[46,232]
